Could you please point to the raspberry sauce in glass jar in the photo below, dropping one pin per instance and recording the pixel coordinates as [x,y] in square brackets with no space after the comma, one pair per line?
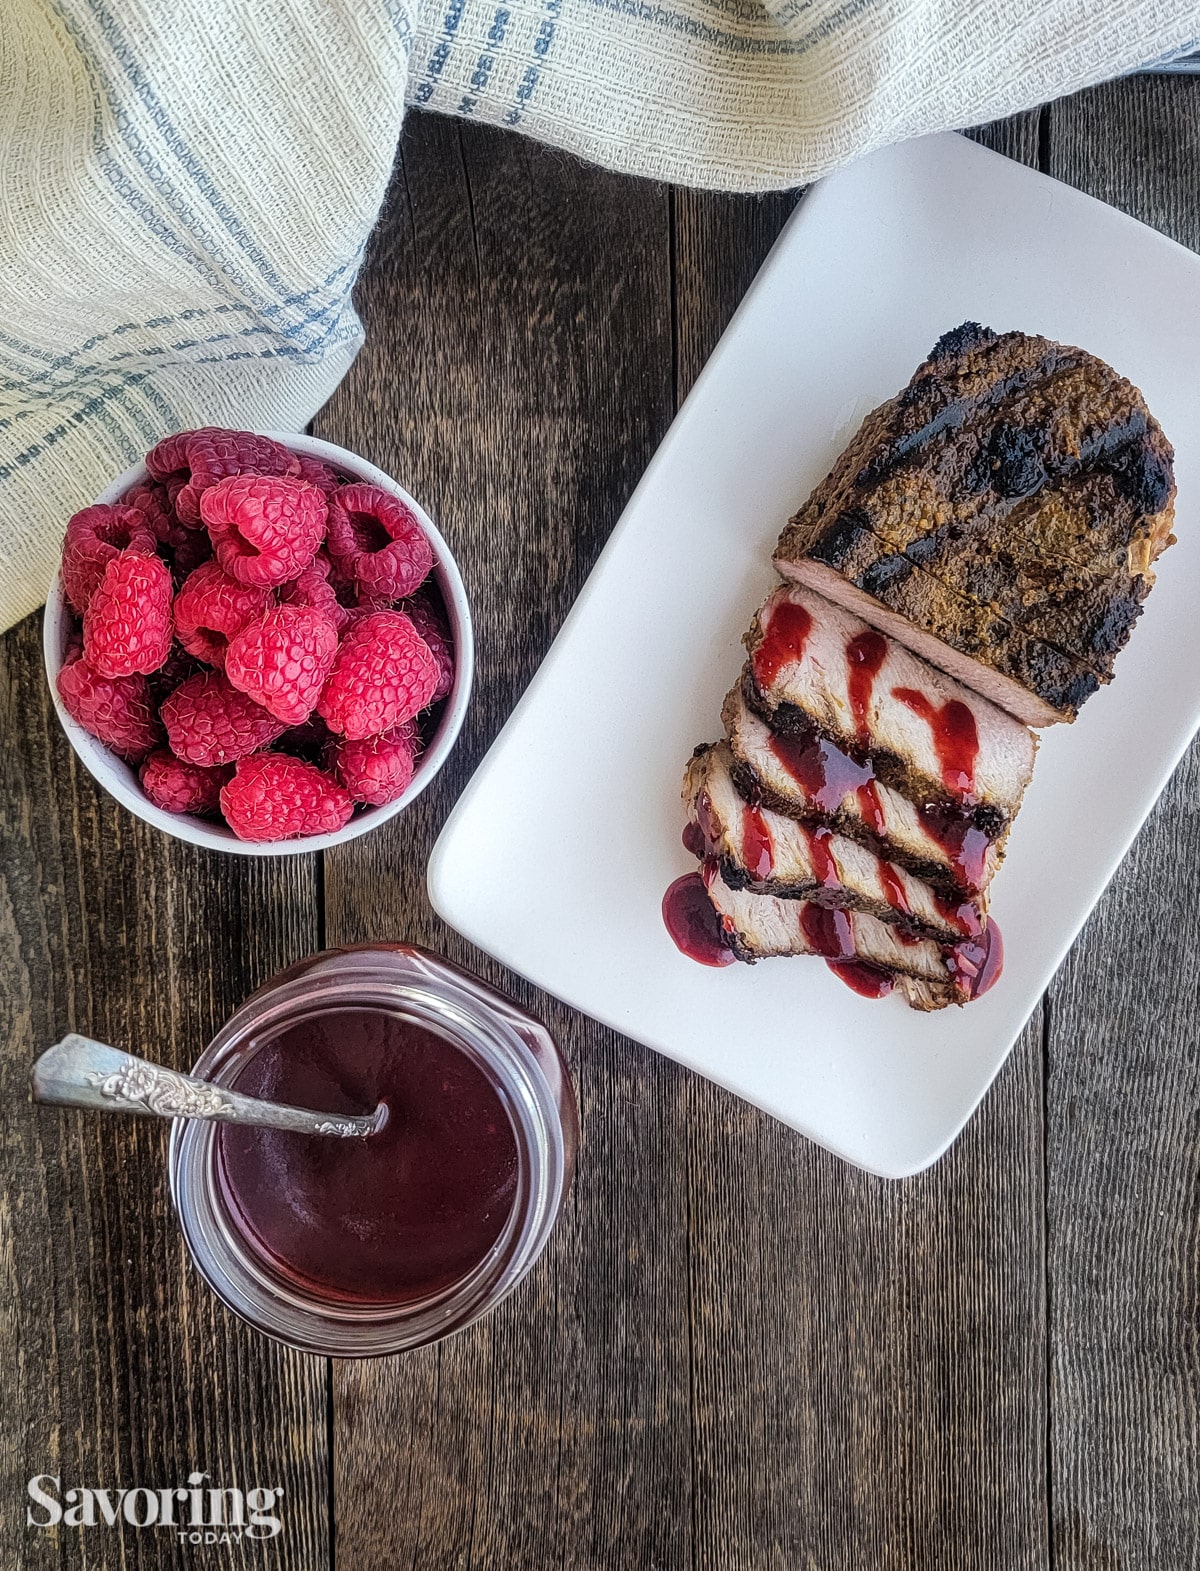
[353,1247]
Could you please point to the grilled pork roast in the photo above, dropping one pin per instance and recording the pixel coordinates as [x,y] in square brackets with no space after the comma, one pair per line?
[971,566]
[820,784]
[770,854]
[815,667]
[1001,516]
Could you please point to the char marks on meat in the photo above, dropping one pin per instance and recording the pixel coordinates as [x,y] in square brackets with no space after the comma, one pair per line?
[760,927]
[1001,515]
[971,567]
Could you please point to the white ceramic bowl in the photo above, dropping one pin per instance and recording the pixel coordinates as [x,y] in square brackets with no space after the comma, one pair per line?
[121,780]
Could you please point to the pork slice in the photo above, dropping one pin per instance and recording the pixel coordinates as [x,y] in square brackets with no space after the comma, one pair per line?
[926,996]
[1034,683]
[953,855]
[760,927]
[1001,515]
[770,854]
[814,664]
[1050,628]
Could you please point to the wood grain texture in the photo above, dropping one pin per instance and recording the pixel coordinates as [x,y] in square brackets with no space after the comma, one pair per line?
[1124,1083]
[119,1368]
[1022,136]
[737,1352]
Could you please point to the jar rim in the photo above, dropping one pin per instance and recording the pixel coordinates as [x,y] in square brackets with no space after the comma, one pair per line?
[488,1028]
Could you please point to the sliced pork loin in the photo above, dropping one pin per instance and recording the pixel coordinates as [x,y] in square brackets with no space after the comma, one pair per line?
[814,666]
[1001,516]
[816,782]
[770,854]
[1034,682]
[759,927]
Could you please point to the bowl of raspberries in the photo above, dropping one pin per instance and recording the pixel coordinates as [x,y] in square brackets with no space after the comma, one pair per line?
[258,643]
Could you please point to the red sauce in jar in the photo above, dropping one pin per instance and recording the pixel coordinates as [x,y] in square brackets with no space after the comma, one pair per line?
[389,1219]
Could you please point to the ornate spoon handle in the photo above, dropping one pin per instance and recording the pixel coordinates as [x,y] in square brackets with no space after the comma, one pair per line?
[78,1072]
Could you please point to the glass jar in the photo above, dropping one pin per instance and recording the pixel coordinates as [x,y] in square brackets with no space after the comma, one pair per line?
[514,1052]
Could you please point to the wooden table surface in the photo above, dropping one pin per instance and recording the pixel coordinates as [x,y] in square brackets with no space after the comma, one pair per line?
[737,1352]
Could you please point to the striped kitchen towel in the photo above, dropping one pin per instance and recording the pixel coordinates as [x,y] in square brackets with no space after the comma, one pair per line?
[186,186]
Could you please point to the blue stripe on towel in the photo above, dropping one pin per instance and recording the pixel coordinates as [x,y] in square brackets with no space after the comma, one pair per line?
[541,48]
[216,265]
[440,54]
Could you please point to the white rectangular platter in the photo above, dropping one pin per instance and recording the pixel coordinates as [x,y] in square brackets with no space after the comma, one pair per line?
[556,858]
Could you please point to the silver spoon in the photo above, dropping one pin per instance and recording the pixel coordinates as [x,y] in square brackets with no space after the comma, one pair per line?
[78,1072]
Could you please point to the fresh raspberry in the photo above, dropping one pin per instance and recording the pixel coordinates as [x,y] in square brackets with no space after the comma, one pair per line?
[378,541]
[181,787]
[184,546]
[116,710]
[281,660]
[426,616]
[375,769]
[94,537]
[313,588]
[318,473]
[367,602]
[168,459]
[211,607]
[266,529]
[127,624]
[153,501]
[383,674]
[274,797]
[209,722]
[214,455]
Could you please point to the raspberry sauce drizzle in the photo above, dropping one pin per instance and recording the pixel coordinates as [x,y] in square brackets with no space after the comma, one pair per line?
[963,915]
[694,924]
[892,888]
[865,655]
[822,770]
[693,839]
[976,963]
[860,977]
[965,845]
[827,931]
[825,868]
[784,641]
[955,737]
[758,849]
[871,808]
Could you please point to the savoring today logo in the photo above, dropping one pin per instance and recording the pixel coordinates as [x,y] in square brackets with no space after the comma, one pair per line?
[197,1514]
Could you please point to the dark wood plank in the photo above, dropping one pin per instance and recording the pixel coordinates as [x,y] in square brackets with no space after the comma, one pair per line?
[518,376]
[1124,1083]
[117,1366]
[1133,143]
[738,1352]
[1020,137]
